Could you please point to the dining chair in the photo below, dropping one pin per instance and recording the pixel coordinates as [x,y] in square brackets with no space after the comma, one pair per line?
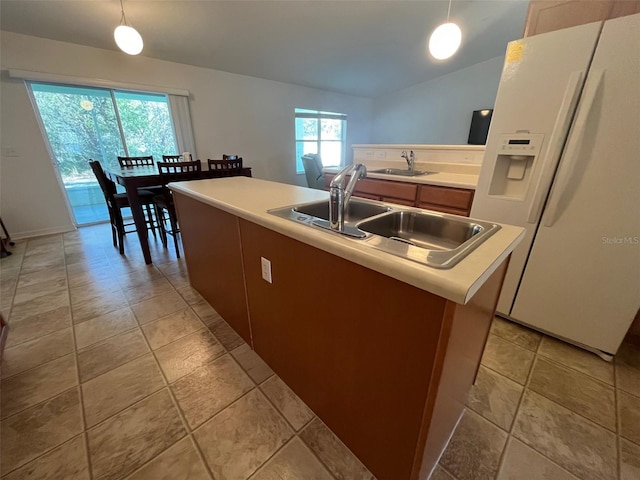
[117,201]
[313,170]
[231,157]
[225,168]
[165,207]
[172,158]
[135,161]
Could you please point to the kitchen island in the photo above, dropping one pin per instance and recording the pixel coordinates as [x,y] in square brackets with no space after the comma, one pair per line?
[382,349]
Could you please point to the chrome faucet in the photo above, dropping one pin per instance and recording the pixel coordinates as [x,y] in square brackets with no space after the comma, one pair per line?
[409,158]
[339,196]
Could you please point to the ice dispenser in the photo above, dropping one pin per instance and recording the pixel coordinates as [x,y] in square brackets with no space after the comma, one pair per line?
[514,165]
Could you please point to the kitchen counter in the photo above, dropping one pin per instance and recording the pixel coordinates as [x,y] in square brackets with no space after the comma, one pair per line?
[379,347]
[250,198]
[441,178]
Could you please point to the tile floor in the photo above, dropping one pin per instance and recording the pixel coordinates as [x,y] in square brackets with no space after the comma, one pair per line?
[116,370]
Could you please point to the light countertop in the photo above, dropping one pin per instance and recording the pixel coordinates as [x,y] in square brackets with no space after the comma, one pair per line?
[251,198]
[447,175]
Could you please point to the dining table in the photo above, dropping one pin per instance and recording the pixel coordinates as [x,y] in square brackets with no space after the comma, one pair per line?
[133,178]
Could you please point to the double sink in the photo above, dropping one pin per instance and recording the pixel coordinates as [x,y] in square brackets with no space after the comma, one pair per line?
[434,239]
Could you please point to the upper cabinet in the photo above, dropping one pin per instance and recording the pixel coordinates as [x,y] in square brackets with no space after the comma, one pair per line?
[549,15]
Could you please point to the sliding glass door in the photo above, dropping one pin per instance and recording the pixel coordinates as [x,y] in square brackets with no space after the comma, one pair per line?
[83,123]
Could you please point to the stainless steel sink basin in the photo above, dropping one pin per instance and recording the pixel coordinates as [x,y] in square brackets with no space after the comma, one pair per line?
[422,230]
[399,171]
[435,239]
[356,210]
[317,214]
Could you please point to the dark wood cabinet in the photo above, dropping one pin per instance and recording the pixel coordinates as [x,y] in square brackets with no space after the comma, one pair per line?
[431,197]
[211,240]
[387,366]
[446,199]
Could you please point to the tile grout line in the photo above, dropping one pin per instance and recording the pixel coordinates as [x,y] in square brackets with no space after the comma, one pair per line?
[515,416]
[315,454]
[510,434]
[542,394]
[77,386]
[181,414]
[15,287]
[85,432]
[293,429]
[50,449]
[41,401]
[258,386]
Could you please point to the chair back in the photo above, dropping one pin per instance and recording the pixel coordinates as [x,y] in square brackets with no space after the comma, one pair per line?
[225,168]
[179,171]
[313,170]
[172,158]
[107,186]
[231,157]
[135,161]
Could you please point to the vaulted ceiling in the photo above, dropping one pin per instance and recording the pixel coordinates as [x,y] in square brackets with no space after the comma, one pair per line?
[366,48]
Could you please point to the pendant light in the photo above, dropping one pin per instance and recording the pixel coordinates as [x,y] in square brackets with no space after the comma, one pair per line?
[127,38]
[445,39]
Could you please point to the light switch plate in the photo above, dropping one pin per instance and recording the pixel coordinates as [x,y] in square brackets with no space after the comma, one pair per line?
[266,269]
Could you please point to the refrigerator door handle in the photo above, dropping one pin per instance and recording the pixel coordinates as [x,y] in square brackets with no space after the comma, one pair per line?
[556,142]
[565,173]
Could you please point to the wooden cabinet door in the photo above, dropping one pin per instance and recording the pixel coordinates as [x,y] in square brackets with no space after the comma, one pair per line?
[443,209]
[399,201]
[388,189]
[446,198]
[211,240]
[367,195]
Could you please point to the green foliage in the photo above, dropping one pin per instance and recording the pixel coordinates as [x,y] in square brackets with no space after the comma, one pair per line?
[81,126]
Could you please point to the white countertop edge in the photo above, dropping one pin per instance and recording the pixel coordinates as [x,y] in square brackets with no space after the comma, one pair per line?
[402,146]
[441,282]
[444,179]
[459,180]
[494,266]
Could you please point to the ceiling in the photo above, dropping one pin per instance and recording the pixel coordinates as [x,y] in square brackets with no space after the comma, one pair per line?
[366,48]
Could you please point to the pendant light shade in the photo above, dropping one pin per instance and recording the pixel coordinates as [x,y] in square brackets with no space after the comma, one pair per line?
[445,41]
[127,38]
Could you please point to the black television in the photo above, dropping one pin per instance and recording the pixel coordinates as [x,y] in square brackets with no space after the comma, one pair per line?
[480,121]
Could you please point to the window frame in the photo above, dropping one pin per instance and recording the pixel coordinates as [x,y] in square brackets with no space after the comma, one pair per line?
[319,116]
[34,86]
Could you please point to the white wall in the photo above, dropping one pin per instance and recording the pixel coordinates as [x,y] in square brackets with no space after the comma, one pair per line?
[438,111]
[230,114]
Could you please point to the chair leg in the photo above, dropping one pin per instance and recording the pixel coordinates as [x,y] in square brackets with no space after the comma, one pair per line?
[174,229]
[161,225]
[120,229]
[113,228]
[150,219]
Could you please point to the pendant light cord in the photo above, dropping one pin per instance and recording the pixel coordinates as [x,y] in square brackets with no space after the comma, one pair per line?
[448,10]
[123,19]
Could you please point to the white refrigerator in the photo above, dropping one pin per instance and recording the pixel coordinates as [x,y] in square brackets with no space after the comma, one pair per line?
[563,160]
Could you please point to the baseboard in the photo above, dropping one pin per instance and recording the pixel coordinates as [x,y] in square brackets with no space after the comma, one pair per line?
[41,232]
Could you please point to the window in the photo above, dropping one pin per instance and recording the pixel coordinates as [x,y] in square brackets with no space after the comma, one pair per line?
[85,122]
[320,132]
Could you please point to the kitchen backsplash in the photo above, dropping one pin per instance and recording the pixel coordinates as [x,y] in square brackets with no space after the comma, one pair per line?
[442,158]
